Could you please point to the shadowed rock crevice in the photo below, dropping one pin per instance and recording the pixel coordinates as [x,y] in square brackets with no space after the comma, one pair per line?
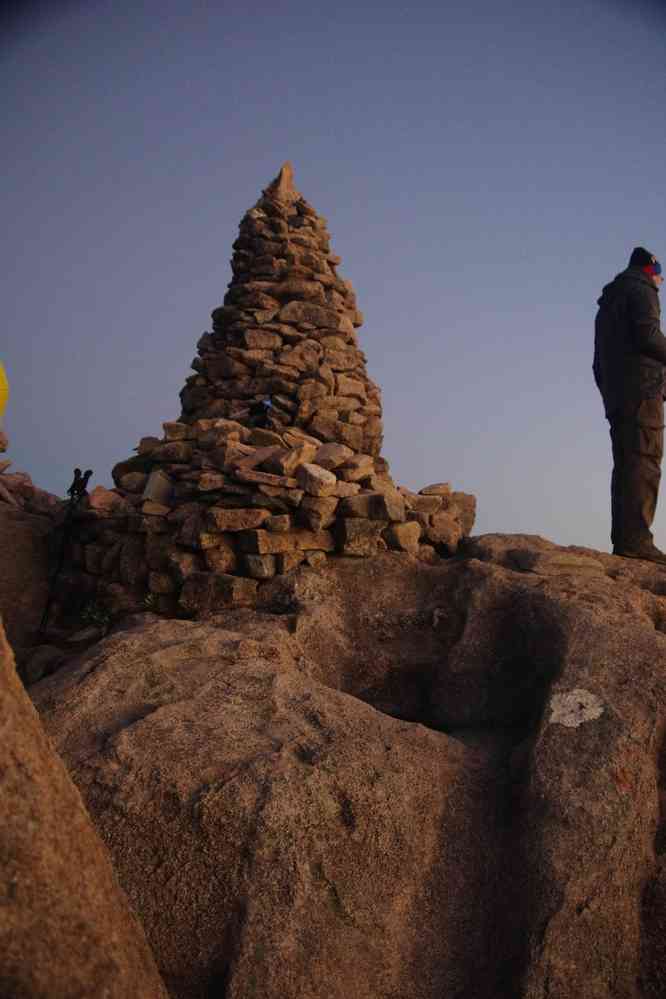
[222,968]
[660,836]
[653,908]
[480,906]
[498,675]
[462,646]
[472,655]
[491,696]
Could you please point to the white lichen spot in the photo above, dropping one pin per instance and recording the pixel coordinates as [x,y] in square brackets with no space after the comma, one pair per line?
[575,707]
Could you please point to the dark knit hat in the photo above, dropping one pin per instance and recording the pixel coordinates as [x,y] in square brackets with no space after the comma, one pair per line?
[641,257]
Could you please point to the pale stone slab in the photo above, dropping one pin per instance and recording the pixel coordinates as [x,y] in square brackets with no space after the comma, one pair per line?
[318,512]
[266,479]
[266,543]
[286,462]
[374,506]
[259,566]
[346,488]
[152,509]
[333,455]
[315,480]
[212,481]
[437,489]
[443,529]
[427,504]
[404,537]
[280,522]
[316,559]
[292,497]
[359,537]
[223,519]
[175,431]
[264,438]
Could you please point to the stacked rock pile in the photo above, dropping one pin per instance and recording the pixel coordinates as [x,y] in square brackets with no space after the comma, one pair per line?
[275,459]
[286,334]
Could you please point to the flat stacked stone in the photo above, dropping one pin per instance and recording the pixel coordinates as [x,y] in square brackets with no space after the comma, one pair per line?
[275,459]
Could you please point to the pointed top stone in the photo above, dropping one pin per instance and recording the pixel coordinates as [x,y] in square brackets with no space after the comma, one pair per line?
[282,187]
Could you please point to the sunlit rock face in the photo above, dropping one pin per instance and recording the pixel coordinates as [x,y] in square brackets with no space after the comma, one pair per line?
[66,928]
[396,779]
[275,459]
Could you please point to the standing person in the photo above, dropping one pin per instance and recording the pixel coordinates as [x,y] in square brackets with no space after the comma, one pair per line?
[629,360]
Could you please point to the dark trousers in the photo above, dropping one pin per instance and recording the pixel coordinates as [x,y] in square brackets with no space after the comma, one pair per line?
[637,437]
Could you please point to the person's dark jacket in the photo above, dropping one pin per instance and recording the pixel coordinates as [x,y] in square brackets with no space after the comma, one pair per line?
[629,347]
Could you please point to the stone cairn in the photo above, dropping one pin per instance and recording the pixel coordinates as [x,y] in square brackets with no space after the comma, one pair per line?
[275,459]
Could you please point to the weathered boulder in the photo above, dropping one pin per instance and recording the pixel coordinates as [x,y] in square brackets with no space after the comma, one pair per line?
[374,506]
[276,820]
[24,572]
[404,537]
[107,502]
[358,536]
[207,593]
[314,480]
[66,929]
[413,780]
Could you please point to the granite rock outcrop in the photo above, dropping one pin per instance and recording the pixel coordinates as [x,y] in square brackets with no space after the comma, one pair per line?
[19,492]
[29,519]
[25,542]
[391,778]
[66,929]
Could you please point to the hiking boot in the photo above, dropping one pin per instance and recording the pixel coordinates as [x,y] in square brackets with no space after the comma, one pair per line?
[646,551]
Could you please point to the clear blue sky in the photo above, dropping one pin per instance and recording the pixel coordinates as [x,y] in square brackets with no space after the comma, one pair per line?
[485,168]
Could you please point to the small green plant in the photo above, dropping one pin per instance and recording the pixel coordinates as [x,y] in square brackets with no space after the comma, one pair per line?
[96,614]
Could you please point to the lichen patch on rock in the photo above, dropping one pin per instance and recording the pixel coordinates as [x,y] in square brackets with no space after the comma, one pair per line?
[575,707]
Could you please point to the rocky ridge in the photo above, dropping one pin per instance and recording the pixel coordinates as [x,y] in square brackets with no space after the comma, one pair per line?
[397,779]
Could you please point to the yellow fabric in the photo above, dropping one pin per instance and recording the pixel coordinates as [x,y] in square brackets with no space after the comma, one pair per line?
[4,389]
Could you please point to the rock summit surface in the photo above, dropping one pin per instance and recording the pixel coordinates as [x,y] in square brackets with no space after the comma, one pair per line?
[395,779]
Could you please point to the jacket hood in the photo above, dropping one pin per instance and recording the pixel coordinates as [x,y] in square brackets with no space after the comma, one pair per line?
[632,275]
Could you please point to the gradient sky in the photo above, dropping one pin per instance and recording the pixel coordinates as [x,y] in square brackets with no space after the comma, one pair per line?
[484,168]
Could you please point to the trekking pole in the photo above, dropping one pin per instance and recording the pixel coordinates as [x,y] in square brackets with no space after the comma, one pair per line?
[76,492]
